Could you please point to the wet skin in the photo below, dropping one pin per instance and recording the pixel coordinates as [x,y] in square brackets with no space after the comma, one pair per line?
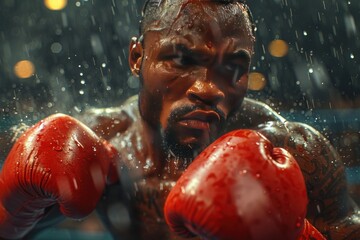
[329,206]
[194,73]
[194,77]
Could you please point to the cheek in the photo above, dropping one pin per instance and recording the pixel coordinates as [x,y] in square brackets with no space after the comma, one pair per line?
[150,106]
[242,84]
[167,86]
[164,115]
[235,96]
[160,77]
[241,87]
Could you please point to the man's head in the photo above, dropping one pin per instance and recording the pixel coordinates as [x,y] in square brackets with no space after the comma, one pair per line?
[193,58]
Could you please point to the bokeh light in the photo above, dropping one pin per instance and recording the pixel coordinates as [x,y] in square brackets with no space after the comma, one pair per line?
[24,69]
[56,47]
[257,81]
[55,4]
[278,48]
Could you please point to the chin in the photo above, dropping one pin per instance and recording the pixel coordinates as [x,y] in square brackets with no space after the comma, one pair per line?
[181,151]
[197,146]
[179,148]
[186,149]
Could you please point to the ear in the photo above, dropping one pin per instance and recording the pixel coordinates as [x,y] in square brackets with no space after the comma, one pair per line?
[135,56]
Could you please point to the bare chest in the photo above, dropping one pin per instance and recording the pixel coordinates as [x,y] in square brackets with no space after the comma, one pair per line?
[134,208]
[140,195]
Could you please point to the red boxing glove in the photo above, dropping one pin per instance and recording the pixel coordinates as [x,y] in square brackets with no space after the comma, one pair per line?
[57,161]
[310,232]
[240,187]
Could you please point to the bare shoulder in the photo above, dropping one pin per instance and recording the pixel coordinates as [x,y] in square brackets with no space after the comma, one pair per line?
[251,114]
[313,151]
[107,122]
[330,208]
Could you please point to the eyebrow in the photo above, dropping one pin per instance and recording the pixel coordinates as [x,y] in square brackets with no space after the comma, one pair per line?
[240,54]
[182,47]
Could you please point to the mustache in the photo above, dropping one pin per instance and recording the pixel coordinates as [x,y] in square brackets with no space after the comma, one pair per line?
[177,113]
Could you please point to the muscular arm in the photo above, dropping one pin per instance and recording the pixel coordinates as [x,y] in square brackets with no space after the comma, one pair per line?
[330,208]
[108,122]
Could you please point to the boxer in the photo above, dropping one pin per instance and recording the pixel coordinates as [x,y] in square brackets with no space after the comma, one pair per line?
[192,58]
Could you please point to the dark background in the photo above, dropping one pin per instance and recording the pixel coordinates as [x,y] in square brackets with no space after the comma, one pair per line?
[90,67]
[80,59]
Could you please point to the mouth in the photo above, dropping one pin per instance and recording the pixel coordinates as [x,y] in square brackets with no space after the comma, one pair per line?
[200,119]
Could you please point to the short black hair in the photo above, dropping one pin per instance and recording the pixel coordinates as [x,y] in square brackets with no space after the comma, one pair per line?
[151,9]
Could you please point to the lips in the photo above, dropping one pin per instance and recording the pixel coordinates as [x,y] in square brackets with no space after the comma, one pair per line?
[199,119]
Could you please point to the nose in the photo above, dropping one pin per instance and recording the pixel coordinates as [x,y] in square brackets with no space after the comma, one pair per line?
[205,92]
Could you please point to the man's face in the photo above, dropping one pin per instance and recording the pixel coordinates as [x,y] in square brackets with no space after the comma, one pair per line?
[194,72]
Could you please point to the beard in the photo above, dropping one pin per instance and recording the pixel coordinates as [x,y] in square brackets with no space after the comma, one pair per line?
[150,109]
[170,137]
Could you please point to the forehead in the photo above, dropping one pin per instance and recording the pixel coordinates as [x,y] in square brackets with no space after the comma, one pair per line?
[202,21]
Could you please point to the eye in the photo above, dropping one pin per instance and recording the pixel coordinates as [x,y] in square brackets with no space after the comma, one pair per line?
[181,60]
[231,71]
[231,67]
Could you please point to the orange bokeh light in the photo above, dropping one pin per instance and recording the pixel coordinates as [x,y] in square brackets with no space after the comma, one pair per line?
[24,69]
[278,48]
[55,4]
[257,81]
